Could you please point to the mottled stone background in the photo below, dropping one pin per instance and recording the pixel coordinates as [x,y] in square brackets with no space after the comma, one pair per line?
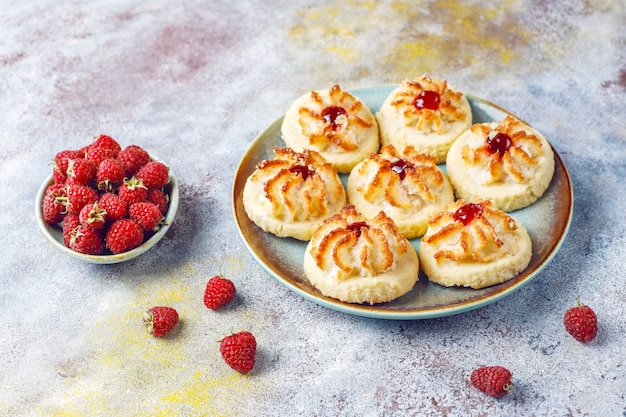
[195,82]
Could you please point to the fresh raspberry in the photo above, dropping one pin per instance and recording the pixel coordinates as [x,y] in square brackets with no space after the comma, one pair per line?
[124,235]
[132,158]
[107,143]
[160,320]
[219,292]
[93,215]
[110,174]
[81,171]
[147,215]
[159,199]
[492,380]
[581,322]
[239,351]
[133,191]
[97,155]
[153,175]
[70,222]
[54,203]
[61,162]
[115,207]
[78,196]
[86,240]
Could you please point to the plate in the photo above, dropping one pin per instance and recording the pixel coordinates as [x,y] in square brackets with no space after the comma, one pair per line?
[54,233]
[547,222]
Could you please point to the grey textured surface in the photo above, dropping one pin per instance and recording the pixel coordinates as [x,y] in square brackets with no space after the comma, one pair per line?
[195,83]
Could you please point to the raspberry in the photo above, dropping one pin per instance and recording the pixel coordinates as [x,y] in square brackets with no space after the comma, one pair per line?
[107,143]
[81,171]
[79,196]
[115,207]
[54,207]
[132,158]
[239,351]
[159,199]
[133,191]
[147,215]
[86,240]
[581,322]
[93,216]
[160,320]
[153,175]
[124,235]
[110,174]
[70,222]
[219,292]
[492,380]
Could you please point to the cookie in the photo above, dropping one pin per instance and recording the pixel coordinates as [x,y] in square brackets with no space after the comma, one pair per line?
[334,123]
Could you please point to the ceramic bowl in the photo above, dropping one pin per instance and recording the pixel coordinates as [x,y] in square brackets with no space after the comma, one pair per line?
[54,232]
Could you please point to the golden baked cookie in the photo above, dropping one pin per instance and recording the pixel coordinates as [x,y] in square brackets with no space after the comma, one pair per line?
[334,123]
[293,193]
[359,260]
[407,186]
[474,245]
[507,162]
[426,113]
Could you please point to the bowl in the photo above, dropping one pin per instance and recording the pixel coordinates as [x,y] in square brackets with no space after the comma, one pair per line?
[54,232]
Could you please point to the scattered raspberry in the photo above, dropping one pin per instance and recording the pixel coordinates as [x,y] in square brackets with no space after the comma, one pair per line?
[153,175]
[492,380]
[239,351]
[110,174]
[581,322]
[160,320]
[133,191]
[94,186]
[219,292]
[159,199]
[93,215]
[132,158]
[86,240]
[147,215]
[124,235]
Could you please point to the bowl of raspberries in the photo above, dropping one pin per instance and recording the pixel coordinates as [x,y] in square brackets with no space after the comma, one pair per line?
[106,204]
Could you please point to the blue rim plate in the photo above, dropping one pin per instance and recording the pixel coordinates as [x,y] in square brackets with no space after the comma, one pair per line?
[547,222]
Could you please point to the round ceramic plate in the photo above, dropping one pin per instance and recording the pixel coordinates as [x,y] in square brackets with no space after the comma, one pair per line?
[547,222]
[54,232]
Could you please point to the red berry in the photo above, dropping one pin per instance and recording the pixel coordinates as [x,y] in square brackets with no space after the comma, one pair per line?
[107,143]
[61,162]
[79,196]
[159,199]
[133,191]
[115,207]
[492,380]
[581,322]
[86,240]
[70,222]
[93,215]
[239,351]
[132,158]
[124,235]
[153,175]
[160,320]
[110,174]
[147,215]
[81,171]
[219,292]
[54,204]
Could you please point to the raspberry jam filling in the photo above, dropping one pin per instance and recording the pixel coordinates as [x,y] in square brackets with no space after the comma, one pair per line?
[500,143]
[331,114]
[427,100]
[356,227]
[399,167]
[468,212]
[302,170]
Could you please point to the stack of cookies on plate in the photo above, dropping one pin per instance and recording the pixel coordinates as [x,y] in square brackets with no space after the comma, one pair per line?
[397,189]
